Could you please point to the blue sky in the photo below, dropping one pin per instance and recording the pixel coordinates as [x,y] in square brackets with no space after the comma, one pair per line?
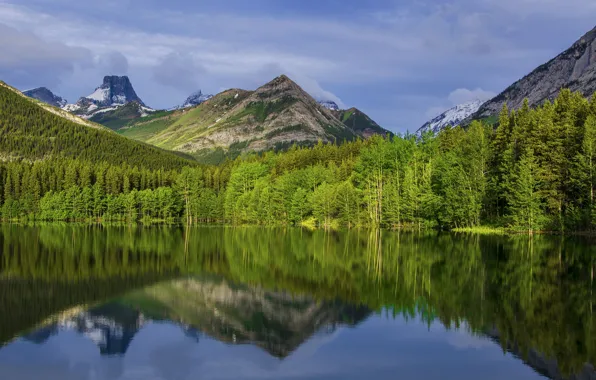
[401,62]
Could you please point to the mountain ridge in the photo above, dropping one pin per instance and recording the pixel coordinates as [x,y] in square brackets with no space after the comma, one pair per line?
[574,68]
[43,94]
[274,116]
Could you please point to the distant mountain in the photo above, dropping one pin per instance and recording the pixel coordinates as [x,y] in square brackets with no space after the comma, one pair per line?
[575,69]
[276,115]
[452,117]
[329,104]
[195,99]
[113,104]
[36,131]
[46,96]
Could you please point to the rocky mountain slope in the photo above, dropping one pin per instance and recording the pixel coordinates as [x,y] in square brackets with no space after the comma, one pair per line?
[575,69]
[44,95]
[274,116]
[452,117]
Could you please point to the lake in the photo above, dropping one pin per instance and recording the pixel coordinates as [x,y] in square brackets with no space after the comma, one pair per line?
[81,302]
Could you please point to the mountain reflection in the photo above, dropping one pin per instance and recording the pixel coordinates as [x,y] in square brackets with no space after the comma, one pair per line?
[277,288]
[275,321]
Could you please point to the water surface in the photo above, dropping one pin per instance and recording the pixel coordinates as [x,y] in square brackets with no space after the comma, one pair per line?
[223,303]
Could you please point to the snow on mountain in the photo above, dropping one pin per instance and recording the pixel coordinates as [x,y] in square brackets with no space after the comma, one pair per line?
[451,117]
[329,104]
[44,95]
[195,99]
[115,91]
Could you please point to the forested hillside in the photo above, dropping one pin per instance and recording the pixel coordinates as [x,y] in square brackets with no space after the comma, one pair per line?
[536,171]
[30,132]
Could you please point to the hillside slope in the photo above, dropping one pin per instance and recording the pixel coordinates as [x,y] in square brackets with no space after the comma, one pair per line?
[359,122]
[30,129]
[575,69]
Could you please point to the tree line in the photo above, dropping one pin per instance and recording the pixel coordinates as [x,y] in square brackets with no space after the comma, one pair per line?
[535,171]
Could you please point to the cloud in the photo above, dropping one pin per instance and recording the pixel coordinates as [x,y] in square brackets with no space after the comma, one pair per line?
[463,95]
[113,63]
[180,71]
[456,97]
[28,60]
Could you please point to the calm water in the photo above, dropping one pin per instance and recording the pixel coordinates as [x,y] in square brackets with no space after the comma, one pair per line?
[223,303]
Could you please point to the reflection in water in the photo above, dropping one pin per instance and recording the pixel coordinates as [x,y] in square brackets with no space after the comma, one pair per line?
[276,289]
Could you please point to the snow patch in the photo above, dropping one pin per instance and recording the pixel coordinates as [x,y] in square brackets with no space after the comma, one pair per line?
[100,94]
[71,107]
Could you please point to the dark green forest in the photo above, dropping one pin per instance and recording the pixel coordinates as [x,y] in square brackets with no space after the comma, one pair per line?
[534,171]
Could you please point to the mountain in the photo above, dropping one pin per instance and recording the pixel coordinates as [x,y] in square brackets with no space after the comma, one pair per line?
[113,104]
[452,117]
[46,96]
[274,116]
[329,104]
[195,99]
[575,69]
[276,321]
[32,130]
[359,122]
[278,113]
[114,91]
[117,117]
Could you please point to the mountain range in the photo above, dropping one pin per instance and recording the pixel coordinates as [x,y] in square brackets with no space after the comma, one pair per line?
[274,116]
[280,113]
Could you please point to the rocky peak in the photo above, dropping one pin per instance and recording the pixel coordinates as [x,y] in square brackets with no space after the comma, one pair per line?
[281,87]
[45,95]
[115,90]
[329,104]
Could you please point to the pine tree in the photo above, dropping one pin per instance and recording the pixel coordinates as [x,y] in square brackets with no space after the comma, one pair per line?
[526,208]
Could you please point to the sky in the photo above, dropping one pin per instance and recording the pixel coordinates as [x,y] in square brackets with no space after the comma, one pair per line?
[401,62]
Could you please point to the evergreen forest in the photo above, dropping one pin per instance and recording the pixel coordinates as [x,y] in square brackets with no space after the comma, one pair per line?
[535,170]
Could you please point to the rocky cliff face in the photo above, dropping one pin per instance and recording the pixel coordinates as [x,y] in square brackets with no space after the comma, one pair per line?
[575,69]
[114,90]
[44,95]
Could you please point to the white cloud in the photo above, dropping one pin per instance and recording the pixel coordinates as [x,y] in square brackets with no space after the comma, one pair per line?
[464,95]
